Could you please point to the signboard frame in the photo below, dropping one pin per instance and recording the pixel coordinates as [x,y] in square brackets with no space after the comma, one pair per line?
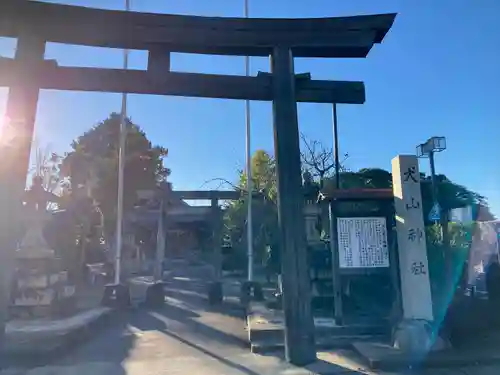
[344,203]
[391,244]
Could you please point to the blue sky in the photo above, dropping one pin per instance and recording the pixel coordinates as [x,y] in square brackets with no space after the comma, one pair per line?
[436,73]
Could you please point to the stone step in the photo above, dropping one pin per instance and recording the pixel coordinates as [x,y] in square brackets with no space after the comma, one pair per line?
[322,343]
[256,333]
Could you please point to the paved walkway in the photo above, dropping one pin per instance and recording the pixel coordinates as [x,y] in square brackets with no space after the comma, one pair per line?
[188,337]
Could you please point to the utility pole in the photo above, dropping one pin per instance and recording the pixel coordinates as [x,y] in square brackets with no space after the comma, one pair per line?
[249,170]
[121,167]
[336,146]
[337,282]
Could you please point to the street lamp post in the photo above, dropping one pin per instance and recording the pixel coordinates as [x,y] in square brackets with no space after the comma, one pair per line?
[433,177]
[428,149]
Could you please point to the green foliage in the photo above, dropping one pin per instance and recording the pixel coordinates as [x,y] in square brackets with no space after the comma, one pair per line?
[264,208]
[264,213]
[263,176]
[91,173]
[450,194]
[441,257]
[93,164]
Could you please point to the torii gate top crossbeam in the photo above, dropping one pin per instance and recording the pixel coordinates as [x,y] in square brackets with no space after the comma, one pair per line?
[321,37]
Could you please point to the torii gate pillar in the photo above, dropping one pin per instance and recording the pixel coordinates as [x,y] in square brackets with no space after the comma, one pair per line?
[299,326]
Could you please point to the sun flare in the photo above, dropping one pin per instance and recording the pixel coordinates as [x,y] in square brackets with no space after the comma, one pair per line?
[9,129]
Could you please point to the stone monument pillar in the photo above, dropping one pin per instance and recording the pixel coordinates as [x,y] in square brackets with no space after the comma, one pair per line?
[414,332]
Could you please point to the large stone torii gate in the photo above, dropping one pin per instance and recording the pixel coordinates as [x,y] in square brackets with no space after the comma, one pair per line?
[35,23]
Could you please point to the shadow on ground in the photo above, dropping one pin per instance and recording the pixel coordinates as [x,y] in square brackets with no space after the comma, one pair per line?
[153,322]
[159,319]
[112,344]
[198,301]
[185,327]
[273,363]
[193,293]
[169,333]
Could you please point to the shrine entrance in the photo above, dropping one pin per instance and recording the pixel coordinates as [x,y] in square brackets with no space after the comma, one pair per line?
[215,291]
[179,216]
[34,24]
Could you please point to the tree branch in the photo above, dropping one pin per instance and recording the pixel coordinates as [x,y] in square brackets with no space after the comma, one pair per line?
[316,157]
[222,182]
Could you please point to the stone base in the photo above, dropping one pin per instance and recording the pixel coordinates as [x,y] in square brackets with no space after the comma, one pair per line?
[116,296]
[251,291]
[37,342]
[215,293]
[413,336]
[380,356]
[155,295]
[266,331]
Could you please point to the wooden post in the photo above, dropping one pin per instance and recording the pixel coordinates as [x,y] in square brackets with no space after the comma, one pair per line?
[397,304]
[447,258]
[15,147]
[334,248]
[158,61]
[299,326]
[21,110]
[215,291]
[161,240]
[216,234]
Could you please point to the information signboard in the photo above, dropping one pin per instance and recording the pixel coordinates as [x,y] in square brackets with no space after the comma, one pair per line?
[362,242]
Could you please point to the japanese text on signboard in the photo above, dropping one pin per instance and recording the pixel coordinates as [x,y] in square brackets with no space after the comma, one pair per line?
[363,242]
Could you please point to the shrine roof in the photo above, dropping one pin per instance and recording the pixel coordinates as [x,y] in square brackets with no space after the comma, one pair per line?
[359,194]
[313,37]
[179,214]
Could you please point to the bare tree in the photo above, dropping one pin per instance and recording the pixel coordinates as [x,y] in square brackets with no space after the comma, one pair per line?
[222,182]
[45,166]
[318,160]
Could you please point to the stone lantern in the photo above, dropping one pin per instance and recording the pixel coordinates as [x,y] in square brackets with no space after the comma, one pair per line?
[39,286]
